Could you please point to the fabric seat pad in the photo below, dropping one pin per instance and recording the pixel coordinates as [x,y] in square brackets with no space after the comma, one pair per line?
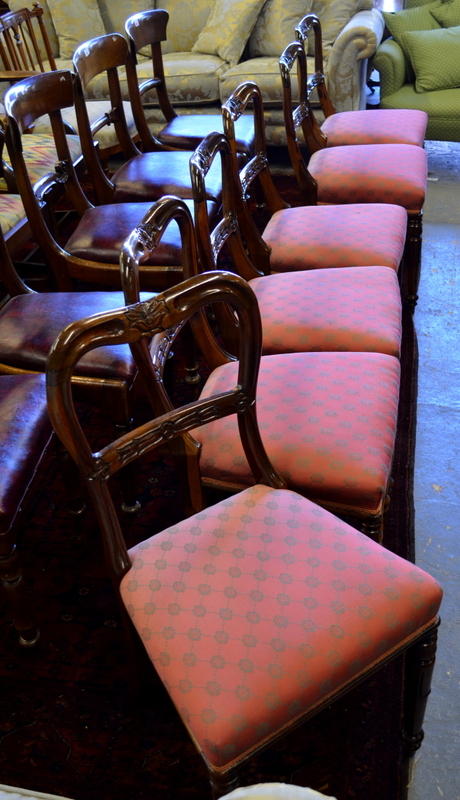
[327,420]
[354,309]
[256,608]
[376,126]
[319,237]
[389,173]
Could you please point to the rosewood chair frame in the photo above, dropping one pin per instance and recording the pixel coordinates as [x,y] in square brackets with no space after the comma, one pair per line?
[302,117]
[155,321]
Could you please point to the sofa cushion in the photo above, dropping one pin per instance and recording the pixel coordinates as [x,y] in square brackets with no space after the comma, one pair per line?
[228,29]
[413,19]
[435,58]
[16,5]
[115,14]
[335,15]
[191,78]
[186,21]
[265,72]
[448,14]
[76,26]
[275,26]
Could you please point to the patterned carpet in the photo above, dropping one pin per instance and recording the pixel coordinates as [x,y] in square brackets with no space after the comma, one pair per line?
[68,724]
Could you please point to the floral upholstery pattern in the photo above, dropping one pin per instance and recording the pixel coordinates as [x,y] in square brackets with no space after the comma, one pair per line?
[376,127]
[11,212]
[74,28]
[319,237]
[40,155]
[397,173]
[255,608]
[186,21]
[228,28]
[327,420]
[275,26]
[355,309]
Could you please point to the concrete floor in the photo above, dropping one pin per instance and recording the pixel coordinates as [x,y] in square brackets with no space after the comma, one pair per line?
[436,772]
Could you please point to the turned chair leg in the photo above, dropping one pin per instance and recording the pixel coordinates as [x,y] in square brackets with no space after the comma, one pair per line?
[373,527]
[412,258]
[223,784]
[419,666]
[16,593]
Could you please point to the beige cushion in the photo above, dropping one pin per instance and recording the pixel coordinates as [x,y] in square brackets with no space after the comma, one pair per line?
[334,15]
[276,791]
[228,29]
[16,5]
[275,26]
[435,58]
[265,72]
[114,13]
[186,21]
[191,78]
[75,23]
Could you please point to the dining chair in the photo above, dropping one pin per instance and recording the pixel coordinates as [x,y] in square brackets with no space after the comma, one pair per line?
[262,609]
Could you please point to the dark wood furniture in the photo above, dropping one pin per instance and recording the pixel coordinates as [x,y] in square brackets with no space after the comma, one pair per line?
[244,659]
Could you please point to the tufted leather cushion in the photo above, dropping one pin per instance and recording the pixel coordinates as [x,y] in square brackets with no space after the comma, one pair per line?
[327,420]
[24,433]
[103,229]
[31,322]
[393,173]
[376,126]
[255,609]
[319,237]
[152,175]
[354,309]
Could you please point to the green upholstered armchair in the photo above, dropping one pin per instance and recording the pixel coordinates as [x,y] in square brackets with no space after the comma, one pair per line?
[400,86]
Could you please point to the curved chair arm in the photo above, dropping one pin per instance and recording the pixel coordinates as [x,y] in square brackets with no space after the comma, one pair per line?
[346,67]
[390,62]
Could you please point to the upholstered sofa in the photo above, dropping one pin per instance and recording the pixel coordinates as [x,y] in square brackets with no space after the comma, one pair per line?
[213,45]
[419,65]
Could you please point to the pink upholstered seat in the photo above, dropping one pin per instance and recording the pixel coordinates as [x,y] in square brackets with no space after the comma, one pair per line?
[354,309]
[320,237]
[389,173]
[376,126]
[257,607]
[327,420]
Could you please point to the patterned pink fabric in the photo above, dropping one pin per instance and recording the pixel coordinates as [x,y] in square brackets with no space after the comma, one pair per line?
[389,173]
[255,609]
[327,420]
[376,126]
[319,237]
[355,309]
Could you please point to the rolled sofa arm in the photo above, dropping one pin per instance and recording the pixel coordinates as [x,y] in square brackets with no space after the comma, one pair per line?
[390,62]
[346,68]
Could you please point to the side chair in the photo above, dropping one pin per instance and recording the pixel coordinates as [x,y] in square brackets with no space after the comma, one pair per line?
[350,310]
[185,132]
[91,253]
[144,176]
[387,173]
[370,126]
[25,50]
[328,420]
[261,610]
[308,237]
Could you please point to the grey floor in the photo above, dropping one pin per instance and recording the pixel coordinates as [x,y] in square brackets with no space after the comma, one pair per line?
[436,772]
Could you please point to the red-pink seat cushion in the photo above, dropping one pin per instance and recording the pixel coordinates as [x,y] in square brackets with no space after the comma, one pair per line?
[328,422]
[257,608]
[389,173]
[376,126]
[319,237]
[355,309]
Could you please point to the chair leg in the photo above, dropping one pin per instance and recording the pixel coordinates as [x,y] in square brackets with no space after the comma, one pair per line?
[192,376]
[16,593]
[223,784]
[412,258]
[419,666]
[373,527]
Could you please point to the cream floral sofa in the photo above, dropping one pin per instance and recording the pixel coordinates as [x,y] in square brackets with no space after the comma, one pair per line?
[213,45]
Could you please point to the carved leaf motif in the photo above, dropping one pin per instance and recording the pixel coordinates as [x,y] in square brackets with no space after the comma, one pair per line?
[147,317]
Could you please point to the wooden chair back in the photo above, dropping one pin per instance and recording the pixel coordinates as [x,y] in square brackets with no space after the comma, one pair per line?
[318,80]
[44,93]
[300,116]
[150,328]
[24,44]
[148,30]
